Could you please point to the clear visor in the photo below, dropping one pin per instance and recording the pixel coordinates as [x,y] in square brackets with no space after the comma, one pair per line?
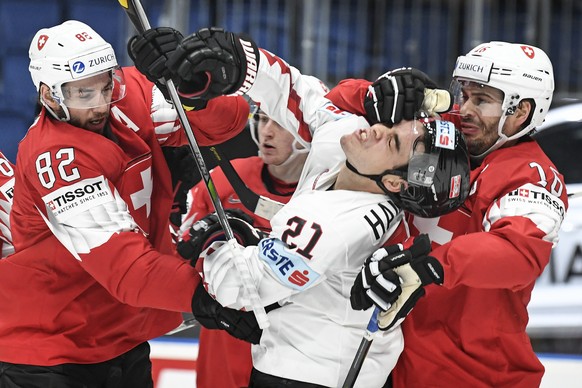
[484,100]
[423,163]
[422,168]
[96,91]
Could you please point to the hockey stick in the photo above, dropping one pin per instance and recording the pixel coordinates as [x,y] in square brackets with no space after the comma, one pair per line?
[362,350]
[188,323]
[136,13]
[409,282]
[258,204]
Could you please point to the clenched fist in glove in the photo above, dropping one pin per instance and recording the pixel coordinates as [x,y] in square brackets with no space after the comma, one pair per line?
[207,230]
[394,279]
[399,94]
[213,62]
[150,51]
[212,315]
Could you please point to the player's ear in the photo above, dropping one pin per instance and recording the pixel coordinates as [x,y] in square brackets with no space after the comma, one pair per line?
[519,118]
[523,110]
[393,183]
[46,96]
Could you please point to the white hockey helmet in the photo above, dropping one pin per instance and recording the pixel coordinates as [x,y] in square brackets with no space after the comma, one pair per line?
[520,71]
[69,52]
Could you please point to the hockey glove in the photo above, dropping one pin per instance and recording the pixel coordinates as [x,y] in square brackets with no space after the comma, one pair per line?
[399,94]
[416,269]
[185,175]
[212,315]
[376,283]
[213,62]
[150,51]
[207,230]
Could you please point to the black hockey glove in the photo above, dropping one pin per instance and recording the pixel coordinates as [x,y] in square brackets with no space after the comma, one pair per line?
[185,175]
[150,51]
[239,324]
[399,94]
[376,283]
[207,230]
[213,62]
[415,270]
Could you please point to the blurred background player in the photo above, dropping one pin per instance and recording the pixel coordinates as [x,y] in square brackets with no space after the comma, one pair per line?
[225,361]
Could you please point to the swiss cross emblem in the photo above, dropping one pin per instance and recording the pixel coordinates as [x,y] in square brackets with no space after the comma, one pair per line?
[524,192]
[41,41]
[528,51]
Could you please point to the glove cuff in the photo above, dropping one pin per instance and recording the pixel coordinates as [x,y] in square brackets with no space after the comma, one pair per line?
[248,52]
[429,270]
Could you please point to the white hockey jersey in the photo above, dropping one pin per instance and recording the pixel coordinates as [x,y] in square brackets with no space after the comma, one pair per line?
[318,244]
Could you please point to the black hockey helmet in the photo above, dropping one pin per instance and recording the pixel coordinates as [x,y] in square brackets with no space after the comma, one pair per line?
[438,178]
[437,175]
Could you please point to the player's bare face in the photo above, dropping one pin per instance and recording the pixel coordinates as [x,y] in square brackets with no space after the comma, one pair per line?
[480,115]
[378,148]
[275,142]
[88,102]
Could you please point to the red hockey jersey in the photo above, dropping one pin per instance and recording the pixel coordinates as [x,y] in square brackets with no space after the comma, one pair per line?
[95,272]
[471,332]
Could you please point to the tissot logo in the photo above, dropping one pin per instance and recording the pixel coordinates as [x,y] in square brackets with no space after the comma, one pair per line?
[69,201]
[79,192]
[523,194]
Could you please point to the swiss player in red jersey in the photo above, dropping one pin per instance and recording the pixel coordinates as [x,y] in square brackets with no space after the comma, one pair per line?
[95,274]
[225,361]
[6,194]
[471,331]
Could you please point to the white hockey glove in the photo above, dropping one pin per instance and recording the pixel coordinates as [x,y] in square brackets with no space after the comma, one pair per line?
[221,276]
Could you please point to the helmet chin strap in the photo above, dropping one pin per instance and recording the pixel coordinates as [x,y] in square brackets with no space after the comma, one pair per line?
[501,139]
[378,177]
[294,153]
[52,111]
